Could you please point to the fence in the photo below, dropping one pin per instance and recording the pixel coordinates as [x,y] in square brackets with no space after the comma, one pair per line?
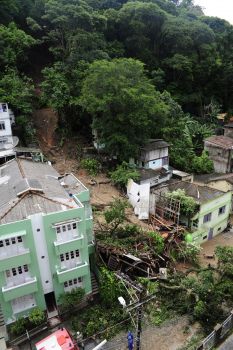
[218,334]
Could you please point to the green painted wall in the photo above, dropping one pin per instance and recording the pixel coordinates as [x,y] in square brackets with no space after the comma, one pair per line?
[24,225]
[218,222]
[85,227]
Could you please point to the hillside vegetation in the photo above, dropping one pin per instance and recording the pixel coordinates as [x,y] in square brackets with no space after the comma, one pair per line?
[131,69]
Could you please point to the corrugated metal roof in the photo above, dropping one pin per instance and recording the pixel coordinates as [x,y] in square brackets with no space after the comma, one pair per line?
[220,141]
[155,144]
[21,185]
[201,194]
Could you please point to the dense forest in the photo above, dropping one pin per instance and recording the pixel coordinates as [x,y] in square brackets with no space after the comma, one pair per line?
[132,70]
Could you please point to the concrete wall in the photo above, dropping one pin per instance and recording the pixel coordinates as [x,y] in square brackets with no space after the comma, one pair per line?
[220,157]
[228,132]
[154,154]
[218,223]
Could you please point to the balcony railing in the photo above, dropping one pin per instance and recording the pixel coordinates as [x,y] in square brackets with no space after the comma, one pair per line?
[13,285]
[75,237]
[11,253]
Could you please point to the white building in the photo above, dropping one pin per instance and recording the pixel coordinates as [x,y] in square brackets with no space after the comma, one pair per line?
[7,141]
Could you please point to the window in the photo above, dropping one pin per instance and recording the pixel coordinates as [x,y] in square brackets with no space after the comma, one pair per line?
[58,229]
[69,255]
[207,218]
[7,242]
[2,126]
[17,271]
[195,223]
[74,226]
[19,238]
[73,282]
[1,243]
[64,228]
[68,227]
[4,107]
[13,241]
[222,210]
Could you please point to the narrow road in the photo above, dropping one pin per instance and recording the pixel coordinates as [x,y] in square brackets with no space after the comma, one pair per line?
[228,344]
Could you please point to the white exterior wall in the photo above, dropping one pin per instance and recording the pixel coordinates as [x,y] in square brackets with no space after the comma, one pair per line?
[139,198]
[154,164]
[42,252]
[6,134]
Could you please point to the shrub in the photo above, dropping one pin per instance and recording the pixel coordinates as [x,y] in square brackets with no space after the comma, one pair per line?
[19,326]
[123,173]
[36,316]
[70,300]
[92,166]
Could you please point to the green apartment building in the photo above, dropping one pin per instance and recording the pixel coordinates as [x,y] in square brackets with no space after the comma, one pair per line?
[46,237]
[213,212]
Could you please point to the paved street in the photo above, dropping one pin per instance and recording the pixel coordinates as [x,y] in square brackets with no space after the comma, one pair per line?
[228,344]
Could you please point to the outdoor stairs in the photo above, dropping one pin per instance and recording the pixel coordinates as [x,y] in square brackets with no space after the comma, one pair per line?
[2,322]
[94,284]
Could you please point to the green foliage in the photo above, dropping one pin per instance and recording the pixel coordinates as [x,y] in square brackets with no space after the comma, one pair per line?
[123,103]
[55,88]
[17,89]
[19,326]
[116,215]
[189,252]
[188,205]
[158,242]
[202,164]
[97,319]
[123,174]
[91,165]
[14,43]
[110,287]
[70,300]
[225,260]
[36,316]
[151,287]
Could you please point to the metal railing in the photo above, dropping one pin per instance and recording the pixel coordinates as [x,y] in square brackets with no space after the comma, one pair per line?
[218,334]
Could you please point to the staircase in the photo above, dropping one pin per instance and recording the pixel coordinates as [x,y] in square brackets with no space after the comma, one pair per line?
[94,284]
[2,322]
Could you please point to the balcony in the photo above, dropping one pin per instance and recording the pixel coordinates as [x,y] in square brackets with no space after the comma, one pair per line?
[63,247]
[13,259]
[79,270]
[10,291]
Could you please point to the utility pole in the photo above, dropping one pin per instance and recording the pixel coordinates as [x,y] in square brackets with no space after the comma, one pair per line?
[139,323]
[137,305]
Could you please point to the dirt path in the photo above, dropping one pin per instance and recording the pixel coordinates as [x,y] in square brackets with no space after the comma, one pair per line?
[208,248]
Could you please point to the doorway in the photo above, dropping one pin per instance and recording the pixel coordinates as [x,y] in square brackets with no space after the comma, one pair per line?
[51,304]
[210,234]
